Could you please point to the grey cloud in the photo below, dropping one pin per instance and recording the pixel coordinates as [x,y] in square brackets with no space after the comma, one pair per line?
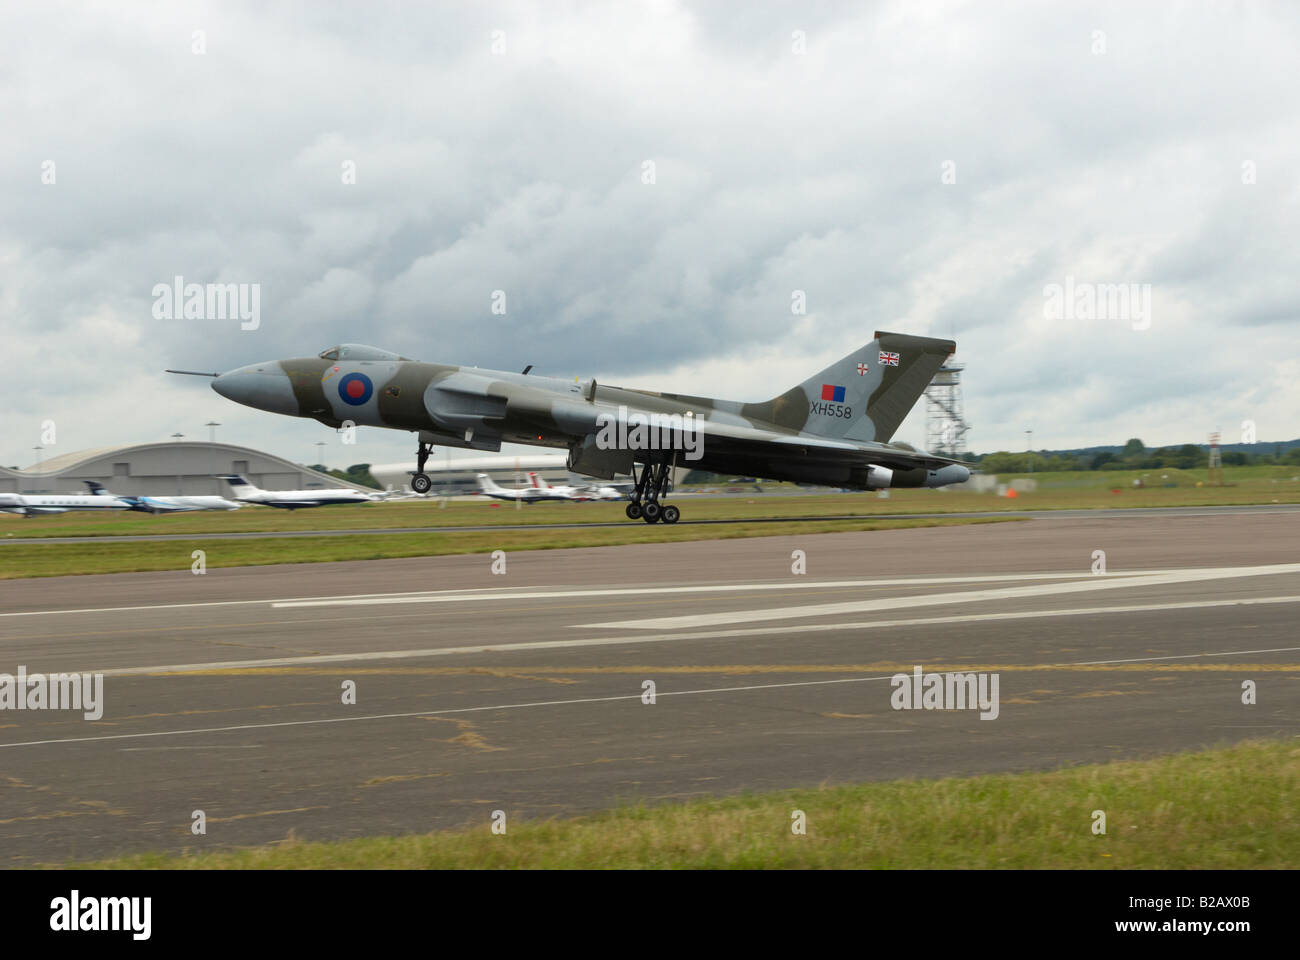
[522,172]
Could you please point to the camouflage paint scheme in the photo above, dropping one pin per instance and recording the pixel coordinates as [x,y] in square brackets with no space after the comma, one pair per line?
[797,435]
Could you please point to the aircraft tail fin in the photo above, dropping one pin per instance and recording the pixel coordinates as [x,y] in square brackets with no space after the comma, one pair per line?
[537,482]
[487,484]
[97,489]
[865,395]
[236,481]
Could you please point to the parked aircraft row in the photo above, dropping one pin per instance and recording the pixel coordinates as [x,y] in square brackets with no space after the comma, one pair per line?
[100,498]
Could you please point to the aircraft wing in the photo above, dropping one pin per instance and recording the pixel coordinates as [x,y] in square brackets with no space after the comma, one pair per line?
[735,441]
[821,449]
[754,443]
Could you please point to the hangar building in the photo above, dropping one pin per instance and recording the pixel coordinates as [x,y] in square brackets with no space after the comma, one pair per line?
[170,468]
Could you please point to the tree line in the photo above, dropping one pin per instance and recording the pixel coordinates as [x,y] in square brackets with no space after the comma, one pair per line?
[1134,456]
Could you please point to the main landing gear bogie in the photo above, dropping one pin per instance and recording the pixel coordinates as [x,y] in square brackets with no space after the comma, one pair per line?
[651,487]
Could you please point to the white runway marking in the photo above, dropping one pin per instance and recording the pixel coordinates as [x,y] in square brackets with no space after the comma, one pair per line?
[537,703]
[196,746]
[532,593]
[631,591]
[783,629]
[940,599]
[432,713]
[1192,656]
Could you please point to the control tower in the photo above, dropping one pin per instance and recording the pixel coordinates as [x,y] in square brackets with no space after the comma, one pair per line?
[945,421]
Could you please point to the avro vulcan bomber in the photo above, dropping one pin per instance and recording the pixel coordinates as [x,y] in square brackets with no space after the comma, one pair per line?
[834,428]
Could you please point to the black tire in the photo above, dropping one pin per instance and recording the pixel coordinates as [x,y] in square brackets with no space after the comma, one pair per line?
[633,511]
[670,514]
[651,512]
[421,483]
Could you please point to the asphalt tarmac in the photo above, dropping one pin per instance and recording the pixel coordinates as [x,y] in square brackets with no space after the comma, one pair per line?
[524,691]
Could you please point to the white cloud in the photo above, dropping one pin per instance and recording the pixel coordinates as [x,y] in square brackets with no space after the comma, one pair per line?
[521,171]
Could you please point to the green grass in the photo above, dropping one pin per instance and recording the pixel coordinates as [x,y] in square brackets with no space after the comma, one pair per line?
[1077,490]
[54,559]
[1229,808]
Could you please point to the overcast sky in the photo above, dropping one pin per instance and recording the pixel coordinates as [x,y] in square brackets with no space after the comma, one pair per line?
[925,168]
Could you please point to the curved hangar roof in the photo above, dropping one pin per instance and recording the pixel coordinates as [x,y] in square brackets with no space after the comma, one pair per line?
[164,468]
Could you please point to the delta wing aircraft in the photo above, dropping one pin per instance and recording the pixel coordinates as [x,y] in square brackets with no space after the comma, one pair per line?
[834,428]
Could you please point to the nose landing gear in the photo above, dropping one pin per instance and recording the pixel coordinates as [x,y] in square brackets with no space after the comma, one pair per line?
[421,483]
[651,487]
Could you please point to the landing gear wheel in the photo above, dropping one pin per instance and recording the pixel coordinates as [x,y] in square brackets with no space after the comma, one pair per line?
[650,512]
[420,482]
[633,511]
[671,514]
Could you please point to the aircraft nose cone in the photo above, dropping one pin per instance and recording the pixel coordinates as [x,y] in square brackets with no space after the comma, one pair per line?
[261,385]
[225,385]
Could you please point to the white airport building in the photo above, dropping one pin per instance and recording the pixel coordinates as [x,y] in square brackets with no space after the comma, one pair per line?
[456,475]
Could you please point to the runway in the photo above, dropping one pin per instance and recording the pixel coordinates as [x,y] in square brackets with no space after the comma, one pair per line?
[1080,514]
[525,691]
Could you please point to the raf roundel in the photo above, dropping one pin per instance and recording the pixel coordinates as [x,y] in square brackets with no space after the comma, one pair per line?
[355,389]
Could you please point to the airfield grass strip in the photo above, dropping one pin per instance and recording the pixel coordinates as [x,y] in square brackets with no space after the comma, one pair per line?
[1056,491]
[62,559]
[1226,808]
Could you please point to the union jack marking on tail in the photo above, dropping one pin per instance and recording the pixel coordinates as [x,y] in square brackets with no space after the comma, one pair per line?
[888,359]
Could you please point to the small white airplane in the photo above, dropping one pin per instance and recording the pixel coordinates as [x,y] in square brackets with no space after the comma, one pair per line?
[530,494]
[245,492]
[40,504]
[579,493]
[608,491]
[167,504]
[603,491]
[561,492]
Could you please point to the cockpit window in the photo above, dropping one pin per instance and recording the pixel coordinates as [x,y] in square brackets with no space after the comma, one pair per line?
[358,351]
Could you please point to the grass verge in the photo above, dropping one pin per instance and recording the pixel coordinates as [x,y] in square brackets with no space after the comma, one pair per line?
[1227,808]
[1056,491]
[56,559]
